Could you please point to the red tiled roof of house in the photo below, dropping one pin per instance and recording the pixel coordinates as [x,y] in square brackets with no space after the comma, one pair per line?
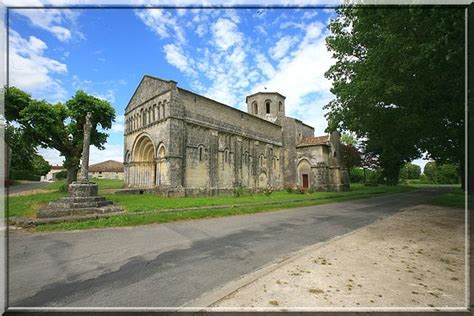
[107,166]
[57,167]
[313,141]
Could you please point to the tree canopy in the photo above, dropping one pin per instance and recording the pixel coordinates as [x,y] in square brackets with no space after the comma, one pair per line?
[60,126]
[399,82]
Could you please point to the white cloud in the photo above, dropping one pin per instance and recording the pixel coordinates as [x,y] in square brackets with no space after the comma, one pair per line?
[118,125]
[176,57]
[281,47]
[55,21]
[301,75]
[225,33]
[228,66]
[31,71]
[163,23]
[310,14]
[109,95]
[264,65]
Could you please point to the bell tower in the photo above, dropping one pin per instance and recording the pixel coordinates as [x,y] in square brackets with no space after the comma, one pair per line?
[269,106]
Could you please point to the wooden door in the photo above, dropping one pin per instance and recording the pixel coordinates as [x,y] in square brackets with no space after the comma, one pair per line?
[305,181]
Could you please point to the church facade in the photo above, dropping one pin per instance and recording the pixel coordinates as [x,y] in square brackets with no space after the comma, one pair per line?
[179,143]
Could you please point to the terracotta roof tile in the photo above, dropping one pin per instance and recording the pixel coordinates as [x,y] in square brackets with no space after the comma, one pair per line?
[312,141]
[107,166]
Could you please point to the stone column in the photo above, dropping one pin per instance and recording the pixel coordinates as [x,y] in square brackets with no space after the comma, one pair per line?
[84,175]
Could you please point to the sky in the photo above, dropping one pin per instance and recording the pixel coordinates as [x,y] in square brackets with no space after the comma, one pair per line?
[224,54]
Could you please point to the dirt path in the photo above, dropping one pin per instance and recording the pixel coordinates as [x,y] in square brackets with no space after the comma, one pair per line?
[413,259]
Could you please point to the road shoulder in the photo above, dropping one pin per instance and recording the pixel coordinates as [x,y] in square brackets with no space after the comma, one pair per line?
[414,259]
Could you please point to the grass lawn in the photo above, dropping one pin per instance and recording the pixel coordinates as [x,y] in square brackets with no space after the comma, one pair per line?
[454,198]
[26,206]
[148,202]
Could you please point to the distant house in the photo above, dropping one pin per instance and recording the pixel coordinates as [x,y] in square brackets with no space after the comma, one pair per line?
[51,175]
[109,169]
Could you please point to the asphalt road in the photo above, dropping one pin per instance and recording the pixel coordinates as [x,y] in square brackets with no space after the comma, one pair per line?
[168,265]
[26,186]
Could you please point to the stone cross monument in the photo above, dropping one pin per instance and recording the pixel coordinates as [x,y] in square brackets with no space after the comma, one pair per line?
[84,176]
[83,200]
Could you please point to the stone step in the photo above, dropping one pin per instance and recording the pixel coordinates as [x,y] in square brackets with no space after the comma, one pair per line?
[69,199]
[62,212]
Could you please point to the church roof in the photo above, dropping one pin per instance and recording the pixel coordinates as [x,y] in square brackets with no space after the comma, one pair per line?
[107,166]
[315,141]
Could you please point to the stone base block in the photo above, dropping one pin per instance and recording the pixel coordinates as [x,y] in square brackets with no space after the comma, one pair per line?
[78,189]
[78,211]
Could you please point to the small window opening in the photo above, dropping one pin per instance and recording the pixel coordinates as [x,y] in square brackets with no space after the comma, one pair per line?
[267,105]
[200,153]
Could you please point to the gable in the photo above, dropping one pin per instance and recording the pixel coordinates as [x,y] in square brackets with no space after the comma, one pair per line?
[148,88]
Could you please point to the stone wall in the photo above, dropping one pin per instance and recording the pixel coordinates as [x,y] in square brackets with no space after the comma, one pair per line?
[106,175]
[180,143]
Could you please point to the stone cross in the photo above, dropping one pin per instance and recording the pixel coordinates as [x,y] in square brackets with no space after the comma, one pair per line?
[84,177]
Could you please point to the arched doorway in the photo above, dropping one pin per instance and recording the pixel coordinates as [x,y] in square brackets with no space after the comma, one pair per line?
[142,173]
[304,170]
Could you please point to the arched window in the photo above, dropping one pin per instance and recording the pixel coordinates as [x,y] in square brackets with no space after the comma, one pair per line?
[280,106]
[200,153]
[163,110]
[267,107]
[255,107]
[226,155]
[154,112]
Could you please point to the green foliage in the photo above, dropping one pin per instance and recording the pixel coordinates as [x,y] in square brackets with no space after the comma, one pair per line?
[442,174]
[348,140]
[410,171]
[242,190]
[15,101]
[61,175]
[290,187]
[397,72]
[63,188]
[356,175]
[40,165]
[60,126]
[24,175]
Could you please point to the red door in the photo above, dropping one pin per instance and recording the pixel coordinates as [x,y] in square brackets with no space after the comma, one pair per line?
[305,181]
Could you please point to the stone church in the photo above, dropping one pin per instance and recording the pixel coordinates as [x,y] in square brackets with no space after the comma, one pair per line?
[179,143]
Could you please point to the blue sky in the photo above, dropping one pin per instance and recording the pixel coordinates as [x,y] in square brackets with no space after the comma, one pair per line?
[224,54]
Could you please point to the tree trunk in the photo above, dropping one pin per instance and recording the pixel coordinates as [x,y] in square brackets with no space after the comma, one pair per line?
[391,175]
[71,175]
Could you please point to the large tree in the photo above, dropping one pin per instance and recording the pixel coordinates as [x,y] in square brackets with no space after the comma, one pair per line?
[399,81]
[60,126]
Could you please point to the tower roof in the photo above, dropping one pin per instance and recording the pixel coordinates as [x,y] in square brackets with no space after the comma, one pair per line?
[251,95]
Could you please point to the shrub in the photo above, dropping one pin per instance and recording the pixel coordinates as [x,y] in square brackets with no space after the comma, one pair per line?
[61,175]
[63,188]
[268,190]
[300,190]
[24,175]
[356,175]
[242,190]
[290,187]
